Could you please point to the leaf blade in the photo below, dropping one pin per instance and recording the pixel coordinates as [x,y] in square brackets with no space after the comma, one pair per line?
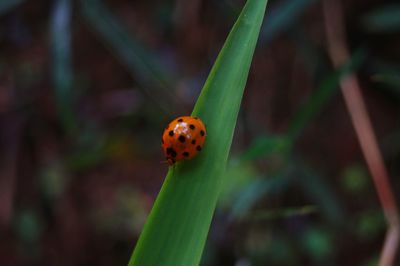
[177,227]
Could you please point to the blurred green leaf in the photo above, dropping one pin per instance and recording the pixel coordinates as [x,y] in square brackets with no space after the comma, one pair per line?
[280,250]
[370,224]
[60,31]
[318,243]
[384,19]
[321,95]
[314,105]
[381,66]
[313,56]
[282,213]
[282,145]
[28,227]
[321,194]
[177,227]
[90,148]
[154,78]
[7,5]
[385,75]
[355,179]
[267,145]
[250,194]
[235,178]
[392,80]
[374,261]
[28,74]
[53,181]
[127,214]
[283,17]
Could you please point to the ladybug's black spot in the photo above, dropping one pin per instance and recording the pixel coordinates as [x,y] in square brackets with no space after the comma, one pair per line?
[186,154]
[171,151]
[180,120]
[171,133]
[193,141]
[198,148]
[182,138]
[195,117]
[202,132]
[192,127]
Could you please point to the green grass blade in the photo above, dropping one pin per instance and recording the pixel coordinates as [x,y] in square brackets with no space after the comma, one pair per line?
[177,227]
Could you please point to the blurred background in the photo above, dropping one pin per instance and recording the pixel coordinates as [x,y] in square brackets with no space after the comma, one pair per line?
[86,88]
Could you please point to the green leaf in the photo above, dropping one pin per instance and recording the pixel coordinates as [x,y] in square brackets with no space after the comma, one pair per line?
[177,227]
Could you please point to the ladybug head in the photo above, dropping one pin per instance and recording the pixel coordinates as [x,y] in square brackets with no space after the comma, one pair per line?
[170,161]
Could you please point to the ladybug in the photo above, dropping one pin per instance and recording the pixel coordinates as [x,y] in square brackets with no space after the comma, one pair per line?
[183,138]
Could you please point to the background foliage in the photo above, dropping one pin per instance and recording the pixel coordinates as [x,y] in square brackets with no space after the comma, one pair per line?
[86,88]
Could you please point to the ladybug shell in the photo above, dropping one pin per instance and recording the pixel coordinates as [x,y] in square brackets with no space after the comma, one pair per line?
[183,138]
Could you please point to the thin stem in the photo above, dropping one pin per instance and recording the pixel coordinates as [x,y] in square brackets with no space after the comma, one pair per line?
[335,33]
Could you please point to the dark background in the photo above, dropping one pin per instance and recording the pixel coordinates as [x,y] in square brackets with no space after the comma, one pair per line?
[86,88]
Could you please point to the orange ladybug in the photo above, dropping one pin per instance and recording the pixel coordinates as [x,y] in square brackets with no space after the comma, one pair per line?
[183,138]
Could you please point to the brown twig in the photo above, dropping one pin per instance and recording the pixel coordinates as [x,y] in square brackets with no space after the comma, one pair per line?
[335,33]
